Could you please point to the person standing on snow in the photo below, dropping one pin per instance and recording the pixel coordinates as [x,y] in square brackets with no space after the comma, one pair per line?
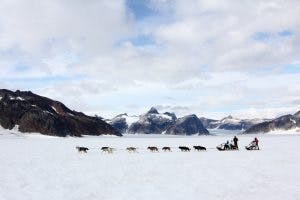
[235,141]
[226,145]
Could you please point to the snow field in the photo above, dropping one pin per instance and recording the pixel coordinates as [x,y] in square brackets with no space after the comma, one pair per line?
[37,167]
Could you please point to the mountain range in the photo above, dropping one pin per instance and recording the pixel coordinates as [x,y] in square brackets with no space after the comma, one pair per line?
[153,122]
[34,113]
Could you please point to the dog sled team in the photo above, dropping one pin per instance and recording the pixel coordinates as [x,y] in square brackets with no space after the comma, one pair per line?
[150,148]
[227,146]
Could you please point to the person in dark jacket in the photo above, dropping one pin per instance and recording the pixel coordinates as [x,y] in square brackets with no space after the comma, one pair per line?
[235,141]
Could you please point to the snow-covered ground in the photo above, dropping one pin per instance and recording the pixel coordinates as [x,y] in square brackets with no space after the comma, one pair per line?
[34,167]
[216,131]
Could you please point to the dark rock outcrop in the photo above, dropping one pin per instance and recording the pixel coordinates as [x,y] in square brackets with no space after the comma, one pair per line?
[34,113]
[188,125]
[285,122]
[152,111]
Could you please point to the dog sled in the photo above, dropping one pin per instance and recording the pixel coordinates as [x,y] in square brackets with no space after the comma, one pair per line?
[252,146]
[227,147]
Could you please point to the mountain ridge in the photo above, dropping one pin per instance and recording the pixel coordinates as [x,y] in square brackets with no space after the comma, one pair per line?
[285,122]
[153,122]
[230,123]
[35,113]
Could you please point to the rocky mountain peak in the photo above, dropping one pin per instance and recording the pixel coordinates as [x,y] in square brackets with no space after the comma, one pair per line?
[189,117]
[153,111]
[121,115]
[228,118]
[187,125]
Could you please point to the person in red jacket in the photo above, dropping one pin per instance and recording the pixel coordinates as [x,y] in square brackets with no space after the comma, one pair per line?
[255,143]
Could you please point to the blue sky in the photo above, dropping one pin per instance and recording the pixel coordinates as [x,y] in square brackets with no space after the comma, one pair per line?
[102,57]
[140,9]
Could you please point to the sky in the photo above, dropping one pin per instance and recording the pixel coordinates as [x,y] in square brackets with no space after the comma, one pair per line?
[209,57]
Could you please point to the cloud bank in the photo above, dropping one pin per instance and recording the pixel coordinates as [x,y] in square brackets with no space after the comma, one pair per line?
[206,57]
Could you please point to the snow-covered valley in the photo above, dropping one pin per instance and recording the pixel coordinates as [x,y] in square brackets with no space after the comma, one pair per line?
[35,167]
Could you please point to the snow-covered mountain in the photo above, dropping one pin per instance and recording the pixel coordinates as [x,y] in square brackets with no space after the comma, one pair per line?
[122,122]
[154,122]
[286,122]
[188,125]
[230,123]
[206,121]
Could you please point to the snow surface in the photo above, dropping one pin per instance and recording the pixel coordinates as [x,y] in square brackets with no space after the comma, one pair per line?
[5,133]
[231,120]
[54,109]
[20,98]
[235,121]
[35,167]
[130,119]
[217,131]
[161,115]
[280,132]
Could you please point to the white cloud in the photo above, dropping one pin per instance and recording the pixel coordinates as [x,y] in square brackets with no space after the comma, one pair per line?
[204,54]
[220,34]
[46,30]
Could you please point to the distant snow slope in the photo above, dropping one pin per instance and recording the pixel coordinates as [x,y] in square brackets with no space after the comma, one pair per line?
[231,123]
[6,133]
[128,118]
[217,131]
[294,131]
[40,167]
